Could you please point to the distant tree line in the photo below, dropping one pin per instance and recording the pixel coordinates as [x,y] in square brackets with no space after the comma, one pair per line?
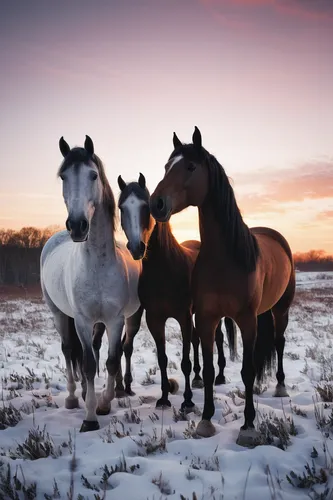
[20,253]
[314,260]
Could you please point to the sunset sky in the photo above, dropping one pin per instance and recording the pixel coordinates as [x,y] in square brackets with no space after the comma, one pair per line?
[256,76]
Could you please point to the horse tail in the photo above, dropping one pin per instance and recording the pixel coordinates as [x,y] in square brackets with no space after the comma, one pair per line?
[76,352]
[264,351]
[173,386]
[232,337]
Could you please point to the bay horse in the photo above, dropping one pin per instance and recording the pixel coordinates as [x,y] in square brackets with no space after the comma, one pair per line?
[240,273]
[88,279]
[164,288]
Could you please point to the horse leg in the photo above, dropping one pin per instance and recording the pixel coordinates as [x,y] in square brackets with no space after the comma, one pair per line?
[220,379]
[197,381]
[281,322]
[156,326]
[206,327]
[248,436]
[281,316]
[114,330]
[65,329]
[98,333]
[132,327]
[85,330]
[186,326]
[230,327]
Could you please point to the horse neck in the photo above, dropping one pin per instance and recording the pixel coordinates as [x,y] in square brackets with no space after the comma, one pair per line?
[162,240]
[101,234]
[233,247]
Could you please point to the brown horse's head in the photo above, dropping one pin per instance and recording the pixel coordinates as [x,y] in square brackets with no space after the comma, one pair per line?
[186,179]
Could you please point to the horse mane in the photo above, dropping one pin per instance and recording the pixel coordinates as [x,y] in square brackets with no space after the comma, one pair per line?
[241,244]
[163,239]
[75,158]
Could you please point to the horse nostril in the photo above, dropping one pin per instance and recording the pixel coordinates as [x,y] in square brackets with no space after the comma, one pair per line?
[68,225]
[84,225]
[160,204]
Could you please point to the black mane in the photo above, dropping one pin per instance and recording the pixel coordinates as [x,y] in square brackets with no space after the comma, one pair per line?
[134,188]
[79,156]
[240,242]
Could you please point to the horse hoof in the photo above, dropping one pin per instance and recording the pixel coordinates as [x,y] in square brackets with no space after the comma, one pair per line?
[89,425]
[173,386]
[129,392]
[249,438]
[205,429]
[197,383]
[280,392]
[103,410]
[187,407]
[71,403]
[220,379]
[163,403]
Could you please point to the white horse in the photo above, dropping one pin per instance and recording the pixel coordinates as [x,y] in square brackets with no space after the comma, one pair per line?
[88,277]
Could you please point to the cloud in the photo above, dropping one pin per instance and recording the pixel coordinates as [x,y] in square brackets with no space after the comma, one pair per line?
[311,181]
[228,11]
[325,216]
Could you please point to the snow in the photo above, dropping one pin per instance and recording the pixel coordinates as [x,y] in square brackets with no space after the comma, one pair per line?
[29,342]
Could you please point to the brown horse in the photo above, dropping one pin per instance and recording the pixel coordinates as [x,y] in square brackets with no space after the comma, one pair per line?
[240,273]
[164,289]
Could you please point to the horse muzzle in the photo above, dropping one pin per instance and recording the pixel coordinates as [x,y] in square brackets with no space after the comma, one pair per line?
[137,251]
[160,208]
[78,229]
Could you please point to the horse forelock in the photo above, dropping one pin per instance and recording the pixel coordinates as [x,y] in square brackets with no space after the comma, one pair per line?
[79,156]
[137,190]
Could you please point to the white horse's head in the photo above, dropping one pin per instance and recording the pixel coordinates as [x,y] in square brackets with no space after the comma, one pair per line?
[84,187]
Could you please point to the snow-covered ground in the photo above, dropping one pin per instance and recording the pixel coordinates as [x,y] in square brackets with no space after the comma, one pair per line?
[157,453]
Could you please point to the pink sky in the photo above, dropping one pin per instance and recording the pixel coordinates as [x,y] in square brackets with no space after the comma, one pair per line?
[256,77]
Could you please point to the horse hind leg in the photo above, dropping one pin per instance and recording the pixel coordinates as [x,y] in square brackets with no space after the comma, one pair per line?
[281,317]
[133,324]
[197,382]
[186,326]
[220,379]
[99,330]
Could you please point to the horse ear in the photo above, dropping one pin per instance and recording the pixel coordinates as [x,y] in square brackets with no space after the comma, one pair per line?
[64,148]
[121,183]
[196,139]
[142,181]
[89,145]
[176,141]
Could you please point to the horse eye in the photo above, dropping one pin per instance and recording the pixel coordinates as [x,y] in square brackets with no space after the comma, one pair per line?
[93,176]
[191,167]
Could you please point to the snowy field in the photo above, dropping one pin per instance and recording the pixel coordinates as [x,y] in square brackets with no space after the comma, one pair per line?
[142,453]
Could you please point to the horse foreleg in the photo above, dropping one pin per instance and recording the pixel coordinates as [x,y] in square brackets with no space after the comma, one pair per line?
[248,436]
[220,379]
[99,330]
[84,330]
[156,326]
[114,330]
[132,327]
[197,381]
[206,327]
[186,326]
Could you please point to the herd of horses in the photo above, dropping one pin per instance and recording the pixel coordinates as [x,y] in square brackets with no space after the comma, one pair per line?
[93,284]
